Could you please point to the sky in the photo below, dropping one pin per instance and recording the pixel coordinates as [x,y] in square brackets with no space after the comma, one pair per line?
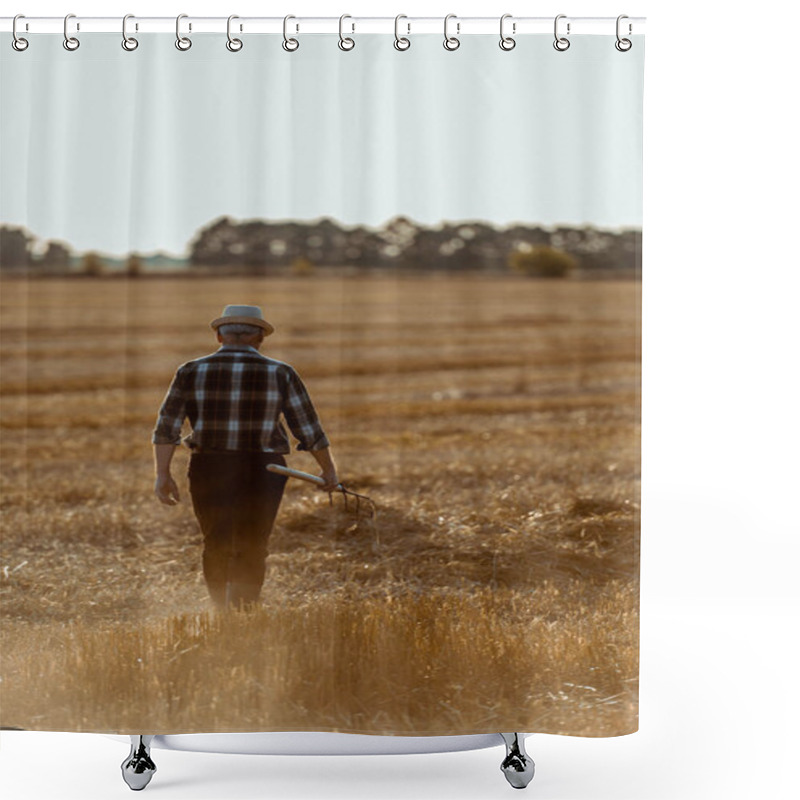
[119,152]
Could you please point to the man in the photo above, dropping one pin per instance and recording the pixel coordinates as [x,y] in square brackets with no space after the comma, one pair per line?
[233,399]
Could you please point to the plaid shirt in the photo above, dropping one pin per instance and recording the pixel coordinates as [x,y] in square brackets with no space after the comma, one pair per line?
[233,399]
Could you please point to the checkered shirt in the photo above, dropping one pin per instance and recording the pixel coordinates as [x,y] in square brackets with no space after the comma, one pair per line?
[233,399]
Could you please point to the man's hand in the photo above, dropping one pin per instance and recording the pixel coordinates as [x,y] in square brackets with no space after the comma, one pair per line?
[331,480]
[325,460]
[167,490]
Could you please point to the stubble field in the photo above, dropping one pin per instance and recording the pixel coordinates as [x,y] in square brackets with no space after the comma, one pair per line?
[493,420]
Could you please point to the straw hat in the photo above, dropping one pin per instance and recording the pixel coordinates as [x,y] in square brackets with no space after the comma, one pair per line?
[248,315]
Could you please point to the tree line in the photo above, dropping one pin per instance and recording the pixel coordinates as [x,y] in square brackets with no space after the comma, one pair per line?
[261,246]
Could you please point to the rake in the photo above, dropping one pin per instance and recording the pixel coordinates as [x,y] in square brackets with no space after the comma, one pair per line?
[346,493]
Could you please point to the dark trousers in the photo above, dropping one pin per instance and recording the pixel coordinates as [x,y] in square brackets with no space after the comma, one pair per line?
[235,500]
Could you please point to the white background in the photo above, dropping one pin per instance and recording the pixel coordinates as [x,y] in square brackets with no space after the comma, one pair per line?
[720,603]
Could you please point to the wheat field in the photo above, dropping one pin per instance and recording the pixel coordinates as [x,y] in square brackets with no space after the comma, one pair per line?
[494,420]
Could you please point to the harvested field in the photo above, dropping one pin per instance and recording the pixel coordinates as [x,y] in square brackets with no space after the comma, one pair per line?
[493,419]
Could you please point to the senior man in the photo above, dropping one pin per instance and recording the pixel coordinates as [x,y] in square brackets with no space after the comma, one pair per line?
[233,399]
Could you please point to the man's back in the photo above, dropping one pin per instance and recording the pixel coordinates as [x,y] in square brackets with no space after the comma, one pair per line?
[233,399]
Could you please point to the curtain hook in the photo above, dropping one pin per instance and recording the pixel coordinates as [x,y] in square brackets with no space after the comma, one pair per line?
[18,43]
[128,42]
[451,42]
[346,43]
[70,42]
[183,43]
[290,45]
[623,45]
[234,45]
[561,43]
[507,42]
[401,43]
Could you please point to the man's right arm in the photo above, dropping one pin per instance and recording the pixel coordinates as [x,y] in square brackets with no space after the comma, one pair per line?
[300,414]
[325,460]
[304,423]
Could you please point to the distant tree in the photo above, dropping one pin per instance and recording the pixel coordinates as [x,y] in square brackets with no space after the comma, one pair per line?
[302,266]
[542,261]
[56,258]
[15,246]
[134,266]
[92,264]
[217,244]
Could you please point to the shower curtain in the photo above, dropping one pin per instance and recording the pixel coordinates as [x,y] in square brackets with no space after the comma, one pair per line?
[444,247]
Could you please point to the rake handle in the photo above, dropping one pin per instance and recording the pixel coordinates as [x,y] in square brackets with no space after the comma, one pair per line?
[296,473]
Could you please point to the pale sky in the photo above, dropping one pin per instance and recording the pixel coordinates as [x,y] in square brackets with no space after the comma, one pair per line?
[119,151]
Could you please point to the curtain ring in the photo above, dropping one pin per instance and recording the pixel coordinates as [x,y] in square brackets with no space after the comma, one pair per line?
[183,43]
[290,45]
[451,42]
[70,42]
[18,43]
[507,42]
[128,42]
[346,43]
[401,43]
[234,45]
[561,43]
[623,45]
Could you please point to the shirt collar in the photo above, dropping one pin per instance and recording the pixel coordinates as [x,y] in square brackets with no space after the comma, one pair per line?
[244,347]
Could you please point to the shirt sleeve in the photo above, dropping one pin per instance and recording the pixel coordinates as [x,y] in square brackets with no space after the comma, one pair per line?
[172,413]
[300,415]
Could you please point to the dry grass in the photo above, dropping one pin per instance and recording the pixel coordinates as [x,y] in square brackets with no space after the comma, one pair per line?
[494,421]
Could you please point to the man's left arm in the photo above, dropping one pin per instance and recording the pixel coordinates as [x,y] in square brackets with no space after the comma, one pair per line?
[166,489]
[166,437]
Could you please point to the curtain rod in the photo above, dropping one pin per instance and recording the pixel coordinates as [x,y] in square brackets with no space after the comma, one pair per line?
[351,24]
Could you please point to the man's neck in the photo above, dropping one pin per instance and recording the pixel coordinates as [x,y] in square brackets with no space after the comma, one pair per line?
[238,347]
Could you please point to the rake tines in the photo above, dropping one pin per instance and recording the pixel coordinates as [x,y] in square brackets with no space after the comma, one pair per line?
[345,492]
[359,500]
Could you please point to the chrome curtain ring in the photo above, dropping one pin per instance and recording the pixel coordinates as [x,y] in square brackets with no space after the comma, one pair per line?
[290,45]
[70,42]
[234,45]
[346,43]
[18,43]
[401,43]
[623,45]
[183,43]
[507,42]
[451,42]
[561,43]
[128,42]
